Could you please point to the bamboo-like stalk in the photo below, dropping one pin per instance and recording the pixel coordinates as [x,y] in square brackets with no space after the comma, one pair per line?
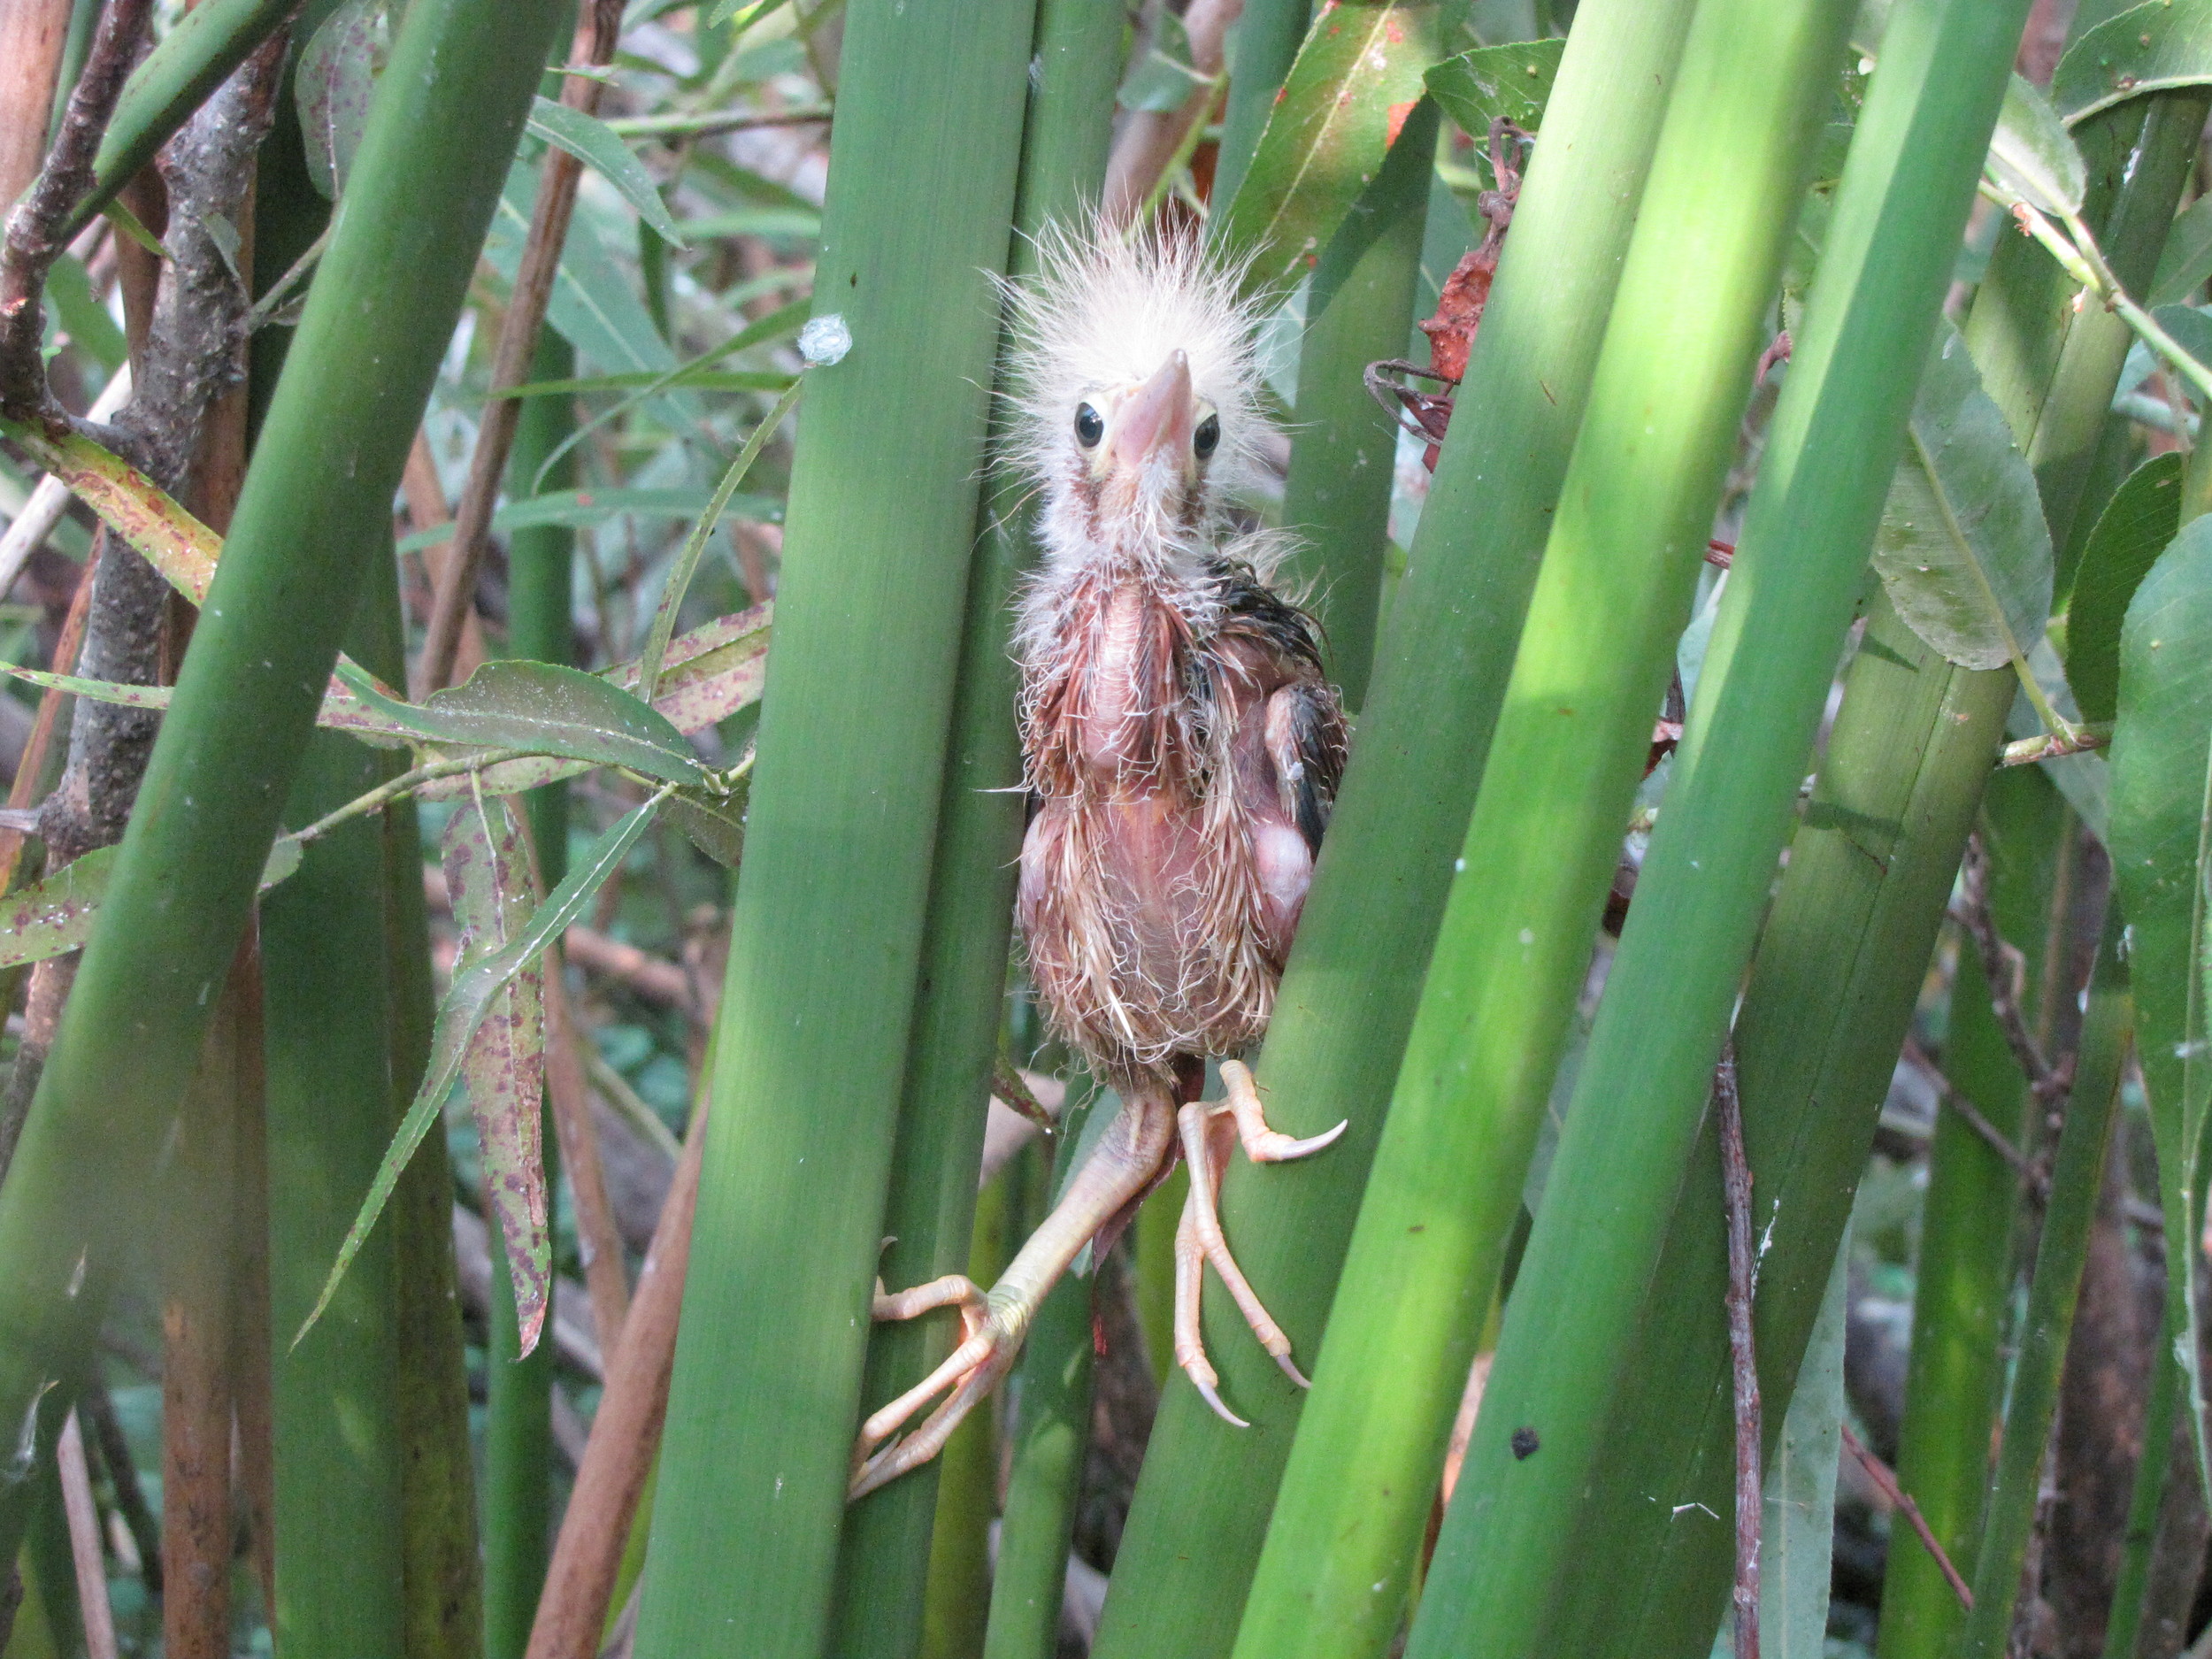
[1704,885]
[1962,1295]
[1348,994]
[955,1605]
[829,918]
[1052,1427]
[439,1550]
[1832,989]
[884,1554]
[1358,309]
[1516,935]
[331,1109]
[1050,1405]
[2077,1179]
[447,112]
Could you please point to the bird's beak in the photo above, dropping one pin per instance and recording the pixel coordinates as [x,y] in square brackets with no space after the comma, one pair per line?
[1155,419]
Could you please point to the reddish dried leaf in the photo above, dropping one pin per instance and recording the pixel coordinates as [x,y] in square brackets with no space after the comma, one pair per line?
[503,1070]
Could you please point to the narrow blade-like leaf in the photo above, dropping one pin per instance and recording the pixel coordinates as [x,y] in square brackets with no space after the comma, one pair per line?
[466,1002]
[502,1068]
[2131,533]
[544,709]
[591,142]
[2162,830]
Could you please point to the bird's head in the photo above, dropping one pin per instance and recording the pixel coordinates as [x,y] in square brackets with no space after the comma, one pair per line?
[1137,406]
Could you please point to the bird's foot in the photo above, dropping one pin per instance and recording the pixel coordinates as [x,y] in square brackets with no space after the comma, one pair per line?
[1134,1148]
[992,1338]
[1207,1128]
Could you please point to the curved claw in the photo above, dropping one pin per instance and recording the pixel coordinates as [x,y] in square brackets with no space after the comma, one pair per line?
[1291,1370]
[1211,1395]
[1281,1148]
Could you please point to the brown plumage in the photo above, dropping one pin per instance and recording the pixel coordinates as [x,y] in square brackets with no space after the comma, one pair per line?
[1182,750]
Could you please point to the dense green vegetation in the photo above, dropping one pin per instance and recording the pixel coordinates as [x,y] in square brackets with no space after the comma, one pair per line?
[509,553]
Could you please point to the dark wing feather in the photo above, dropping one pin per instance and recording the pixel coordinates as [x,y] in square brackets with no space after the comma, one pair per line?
[1309,746]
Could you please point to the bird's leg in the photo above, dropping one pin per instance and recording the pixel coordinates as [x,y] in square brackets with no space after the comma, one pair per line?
[1126,1159]
[1206,1128]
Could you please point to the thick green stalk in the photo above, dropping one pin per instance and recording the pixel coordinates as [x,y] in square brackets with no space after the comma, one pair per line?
[1052,1427]
[340,1573]
[440,1553]
[314,510]
[957,1600]
[828,933]
[519,1427]
[2077,1180]
[1645,1076]
[1261,49]
[1337,497]
[1962,1296]
[1347,998]
[1832,987]
[884,1557]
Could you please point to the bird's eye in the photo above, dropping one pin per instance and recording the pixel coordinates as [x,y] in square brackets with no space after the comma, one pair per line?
[1090,426]
[1207,439]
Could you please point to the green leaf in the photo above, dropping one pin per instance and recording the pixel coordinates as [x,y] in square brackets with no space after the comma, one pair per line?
[1964,549]
[2131,533]
[503,1065]
[2186,261]
[2032,155]
[2145,49]
[466,1002]
[333,81]
[1356,78]
[69,289]
[1164,77]
[1494,82]
[54,917]
[1798,1532]
[2161,833]
[716,824]
[588,139]
[541,709]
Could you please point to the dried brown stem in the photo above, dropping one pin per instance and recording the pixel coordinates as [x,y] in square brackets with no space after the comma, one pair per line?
[2006,971]
[624,1434]
[200,1210]
[32,34]
[84,1542]
[97,1412]
[33,235]
[599,1240]
[1742,1270]
[549,215]
[1885,1478]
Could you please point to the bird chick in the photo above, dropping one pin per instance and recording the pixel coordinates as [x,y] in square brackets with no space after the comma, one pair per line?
[1181,748]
